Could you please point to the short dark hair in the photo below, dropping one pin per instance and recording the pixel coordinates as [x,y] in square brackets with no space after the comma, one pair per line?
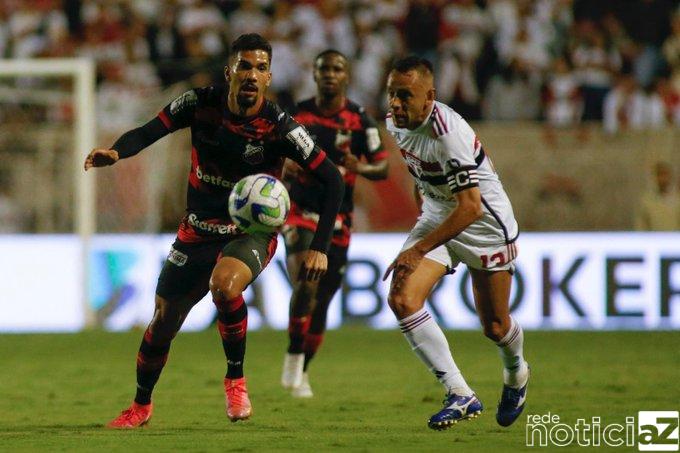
[412,62]
[251,41]
[331,52]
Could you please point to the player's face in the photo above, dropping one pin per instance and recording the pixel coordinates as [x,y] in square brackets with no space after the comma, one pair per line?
[331,75]
[410,96]
[249,76]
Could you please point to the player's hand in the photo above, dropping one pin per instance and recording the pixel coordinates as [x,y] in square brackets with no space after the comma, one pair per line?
[314,266]
[291,170]
[405,263]
[100,157]
[351,163]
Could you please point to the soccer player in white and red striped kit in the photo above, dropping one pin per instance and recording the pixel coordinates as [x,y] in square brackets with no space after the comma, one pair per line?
[466,217]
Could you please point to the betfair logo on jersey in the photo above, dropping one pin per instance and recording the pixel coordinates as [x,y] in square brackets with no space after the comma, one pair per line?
[300,138]
[254,154]
[214,180]
[186,100]
[219,228]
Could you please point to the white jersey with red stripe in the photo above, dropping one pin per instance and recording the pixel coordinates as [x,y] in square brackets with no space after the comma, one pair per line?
[445,156]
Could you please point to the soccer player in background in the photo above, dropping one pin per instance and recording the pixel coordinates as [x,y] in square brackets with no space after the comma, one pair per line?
[466,217]
[347,133]
[235,132]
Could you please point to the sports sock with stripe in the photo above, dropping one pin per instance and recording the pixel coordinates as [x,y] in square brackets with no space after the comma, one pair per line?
[232,323]
[429,343]
[151,358]
[510,347]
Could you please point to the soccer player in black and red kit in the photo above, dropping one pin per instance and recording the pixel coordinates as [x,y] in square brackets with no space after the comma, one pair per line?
[351,139]
[235,132]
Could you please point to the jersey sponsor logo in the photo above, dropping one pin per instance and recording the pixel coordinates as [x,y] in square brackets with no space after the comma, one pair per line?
[300,138]
[214,180]
[186,100]
[372,139]
[254,154]
[219,228]
[176,257]
[343,140]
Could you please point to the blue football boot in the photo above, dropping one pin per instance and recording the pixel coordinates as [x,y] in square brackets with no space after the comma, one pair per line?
[455,408]
[511,404]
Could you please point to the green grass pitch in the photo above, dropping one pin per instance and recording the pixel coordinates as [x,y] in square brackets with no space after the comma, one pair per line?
[371,392]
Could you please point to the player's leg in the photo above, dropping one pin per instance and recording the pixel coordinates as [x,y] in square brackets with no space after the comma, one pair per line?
[328,285]
[302,302]
[407,299]
[241,262]
[491,291]
[182,283]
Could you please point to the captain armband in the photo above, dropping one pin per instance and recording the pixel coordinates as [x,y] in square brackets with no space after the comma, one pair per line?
[461,178]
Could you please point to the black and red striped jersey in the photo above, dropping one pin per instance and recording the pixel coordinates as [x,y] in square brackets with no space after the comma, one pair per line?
[349,130]
[226,148]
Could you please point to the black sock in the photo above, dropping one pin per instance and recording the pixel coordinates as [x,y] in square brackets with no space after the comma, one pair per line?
[150,362]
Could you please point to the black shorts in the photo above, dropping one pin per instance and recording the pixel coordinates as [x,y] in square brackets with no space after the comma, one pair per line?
[298,239]
[189,265]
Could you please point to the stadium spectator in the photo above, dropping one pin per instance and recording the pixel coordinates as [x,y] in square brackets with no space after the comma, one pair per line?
[512,95]
[595,65]
[659,208]
[629,107]
[671,46]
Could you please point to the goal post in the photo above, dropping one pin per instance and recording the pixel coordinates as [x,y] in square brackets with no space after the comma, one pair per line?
[82,72]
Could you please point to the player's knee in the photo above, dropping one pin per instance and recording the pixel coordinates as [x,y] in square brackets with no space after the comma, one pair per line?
[165,324]
[402,304]
[225,286]
[494,330]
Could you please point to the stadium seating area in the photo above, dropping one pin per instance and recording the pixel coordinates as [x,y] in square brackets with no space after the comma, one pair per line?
[561,60]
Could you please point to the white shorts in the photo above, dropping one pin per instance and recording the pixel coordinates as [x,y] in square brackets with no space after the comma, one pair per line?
[495,257]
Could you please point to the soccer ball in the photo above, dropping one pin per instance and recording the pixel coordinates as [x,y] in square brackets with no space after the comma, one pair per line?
[259,204]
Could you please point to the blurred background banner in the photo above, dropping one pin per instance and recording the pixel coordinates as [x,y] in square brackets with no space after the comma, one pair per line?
[577,102]
[563,281]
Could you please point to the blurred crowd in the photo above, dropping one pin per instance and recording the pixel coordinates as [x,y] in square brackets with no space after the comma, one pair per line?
[564,61]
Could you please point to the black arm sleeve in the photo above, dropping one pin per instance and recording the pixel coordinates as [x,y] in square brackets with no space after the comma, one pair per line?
[330,177]
[135,140]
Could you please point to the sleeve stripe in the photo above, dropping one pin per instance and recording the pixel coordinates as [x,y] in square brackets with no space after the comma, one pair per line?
[471,170]
[459,188]
[440,120]
[165,119]
[317,160]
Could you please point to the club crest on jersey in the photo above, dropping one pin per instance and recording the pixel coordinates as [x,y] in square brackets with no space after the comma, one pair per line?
[254,154]
[414,164]
[186,100]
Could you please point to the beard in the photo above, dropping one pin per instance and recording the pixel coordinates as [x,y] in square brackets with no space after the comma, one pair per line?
[245,101]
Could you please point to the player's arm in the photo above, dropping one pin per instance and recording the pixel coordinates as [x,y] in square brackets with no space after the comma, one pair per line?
[175,115]
[418,197]
[302,149]
[468,210]
[373,171]
[457,151]
[129,144]
[376,167]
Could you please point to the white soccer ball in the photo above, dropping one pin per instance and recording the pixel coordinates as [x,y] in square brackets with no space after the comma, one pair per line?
[259,204]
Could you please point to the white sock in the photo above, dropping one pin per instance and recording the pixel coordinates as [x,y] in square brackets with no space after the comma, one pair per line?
[516,370]
[429,343]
